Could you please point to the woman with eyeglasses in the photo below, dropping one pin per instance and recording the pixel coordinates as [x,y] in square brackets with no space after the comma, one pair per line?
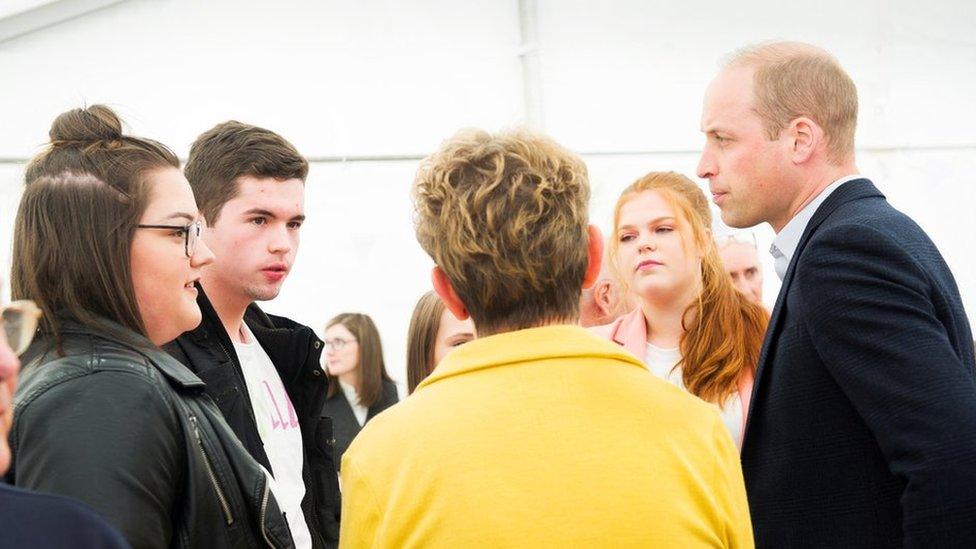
[692,328]
[106,242]
[359,386]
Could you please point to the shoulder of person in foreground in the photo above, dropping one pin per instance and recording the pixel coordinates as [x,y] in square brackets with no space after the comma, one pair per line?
[106,434]
[31,519]
[881,322]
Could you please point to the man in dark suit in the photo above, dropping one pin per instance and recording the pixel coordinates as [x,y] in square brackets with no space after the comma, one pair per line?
[862,428]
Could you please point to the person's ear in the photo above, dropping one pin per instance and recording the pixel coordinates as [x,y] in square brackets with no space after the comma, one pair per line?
[443,288]
[603,296]
[594,250]
[805,136]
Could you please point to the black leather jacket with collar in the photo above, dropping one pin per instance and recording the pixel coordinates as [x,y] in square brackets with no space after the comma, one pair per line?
[295,351]
[120,425]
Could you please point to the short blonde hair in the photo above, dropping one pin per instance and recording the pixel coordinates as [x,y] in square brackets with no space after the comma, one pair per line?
[505,217]
[793,79]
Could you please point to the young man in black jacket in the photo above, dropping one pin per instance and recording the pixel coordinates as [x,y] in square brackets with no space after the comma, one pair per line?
[262,371]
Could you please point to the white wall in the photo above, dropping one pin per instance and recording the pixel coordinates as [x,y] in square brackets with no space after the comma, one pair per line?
[392,79]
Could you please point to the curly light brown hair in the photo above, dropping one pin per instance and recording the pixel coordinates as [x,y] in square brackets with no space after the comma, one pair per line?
[505,217]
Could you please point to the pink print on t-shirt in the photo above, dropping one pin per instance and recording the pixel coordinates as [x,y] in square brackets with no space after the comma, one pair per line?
[279,422]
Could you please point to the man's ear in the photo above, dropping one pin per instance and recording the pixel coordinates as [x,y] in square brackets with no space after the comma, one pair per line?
[603,296]
[443,288]
[594,250]
[805,136]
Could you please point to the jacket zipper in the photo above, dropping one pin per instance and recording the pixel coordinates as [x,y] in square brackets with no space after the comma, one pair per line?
[210,473]
[264,514]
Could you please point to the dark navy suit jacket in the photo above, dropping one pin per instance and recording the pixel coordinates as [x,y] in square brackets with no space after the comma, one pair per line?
[862,427]
[34,520]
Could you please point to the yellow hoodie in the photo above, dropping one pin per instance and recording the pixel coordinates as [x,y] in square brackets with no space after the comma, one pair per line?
[546,437]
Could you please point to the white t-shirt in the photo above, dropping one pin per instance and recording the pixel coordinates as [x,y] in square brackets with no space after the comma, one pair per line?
[352,397]
[278,426]
[661,363]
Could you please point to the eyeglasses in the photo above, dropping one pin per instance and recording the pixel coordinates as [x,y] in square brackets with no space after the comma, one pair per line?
[19,320]
[337,344]
[191,233]
[743,237]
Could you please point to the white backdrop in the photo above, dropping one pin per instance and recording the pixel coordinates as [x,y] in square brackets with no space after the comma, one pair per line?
[380,83]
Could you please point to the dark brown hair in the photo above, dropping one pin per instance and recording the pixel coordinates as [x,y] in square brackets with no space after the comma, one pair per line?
[77,217]
[90,141]
[372,368]
[421,338]
[505,217]
[234,149]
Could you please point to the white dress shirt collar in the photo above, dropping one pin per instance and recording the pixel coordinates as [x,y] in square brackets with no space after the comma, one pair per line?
[786,241]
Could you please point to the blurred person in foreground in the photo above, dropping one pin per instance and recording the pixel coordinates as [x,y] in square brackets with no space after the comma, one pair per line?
[862,428]
[536,434]
[106,242]
[29,519]
[434,332]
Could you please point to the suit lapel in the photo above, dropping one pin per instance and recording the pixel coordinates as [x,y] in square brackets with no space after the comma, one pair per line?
[852,190]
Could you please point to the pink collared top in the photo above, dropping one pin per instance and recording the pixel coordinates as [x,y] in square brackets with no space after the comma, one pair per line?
[630,332]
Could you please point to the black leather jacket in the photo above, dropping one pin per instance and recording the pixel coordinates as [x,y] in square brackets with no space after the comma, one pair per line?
[294,350]
[125,428]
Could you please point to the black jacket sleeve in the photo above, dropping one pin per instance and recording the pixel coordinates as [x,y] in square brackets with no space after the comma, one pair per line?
[873,318]
[111,440]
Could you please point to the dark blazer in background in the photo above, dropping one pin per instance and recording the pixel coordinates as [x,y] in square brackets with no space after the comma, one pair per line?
[31,519]
[344,422]
[862,428]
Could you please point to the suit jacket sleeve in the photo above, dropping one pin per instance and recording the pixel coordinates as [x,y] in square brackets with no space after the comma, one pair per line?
[870,314]
[110,440]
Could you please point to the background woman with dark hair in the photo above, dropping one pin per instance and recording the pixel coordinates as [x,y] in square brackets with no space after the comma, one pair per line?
[106,242]
[434,331]
[359,387]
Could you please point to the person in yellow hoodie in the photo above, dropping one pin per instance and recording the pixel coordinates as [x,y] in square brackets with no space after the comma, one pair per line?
[537,433]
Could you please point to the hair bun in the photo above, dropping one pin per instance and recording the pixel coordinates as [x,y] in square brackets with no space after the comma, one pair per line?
[96,123]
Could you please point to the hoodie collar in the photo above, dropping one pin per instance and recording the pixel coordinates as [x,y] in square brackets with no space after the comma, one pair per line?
[532,344]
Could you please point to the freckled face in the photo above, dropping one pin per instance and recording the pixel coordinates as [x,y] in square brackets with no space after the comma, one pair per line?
[652,249]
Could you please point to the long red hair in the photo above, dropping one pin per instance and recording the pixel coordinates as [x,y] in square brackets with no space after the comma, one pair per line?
[723,330]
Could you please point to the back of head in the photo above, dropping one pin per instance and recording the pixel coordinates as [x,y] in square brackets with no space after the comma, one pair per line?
[372,367]
[505,217]
[793,79]
[233,149]
[421,338]
[77,217]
